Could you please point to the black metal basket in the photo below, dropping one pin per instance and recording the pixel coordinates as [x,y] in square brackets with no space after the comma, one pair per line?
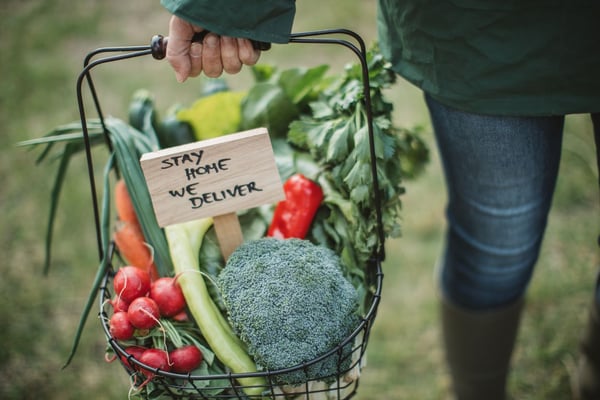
[344,384]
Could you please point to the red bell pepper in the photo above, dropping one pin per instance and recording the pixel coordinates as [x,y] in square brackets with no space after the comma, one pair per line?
[293,216]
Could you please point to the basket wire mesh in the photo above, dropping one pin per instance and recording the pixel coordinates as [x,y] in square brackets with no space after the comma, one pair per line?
[227,385]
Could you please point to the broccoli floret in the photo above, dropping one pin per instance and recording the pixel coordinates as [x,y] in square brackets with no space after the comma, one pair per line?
[289,302]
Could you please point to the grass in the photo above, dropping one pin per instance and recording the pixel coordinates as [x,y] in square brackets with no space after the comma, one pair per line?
[43,46]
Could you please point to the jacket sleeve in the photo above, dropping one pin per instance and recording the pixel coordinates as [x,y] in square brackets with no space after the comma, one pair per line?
[264,20]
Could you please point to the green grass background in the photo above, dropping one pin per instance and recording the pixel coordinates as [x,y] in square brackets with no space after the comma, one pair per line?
[42,46]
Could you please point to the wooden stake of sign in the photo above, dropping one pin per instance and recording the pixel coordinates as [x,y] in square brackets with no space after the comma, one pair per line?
[229,233]
[213,178]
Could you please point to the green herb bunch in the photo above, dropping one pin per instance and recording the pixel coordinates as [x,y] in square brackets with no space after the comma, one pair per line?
[336,134]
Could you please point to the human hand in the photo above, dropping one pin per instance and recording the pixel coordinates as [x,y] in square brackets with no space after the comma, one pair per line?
[213,56]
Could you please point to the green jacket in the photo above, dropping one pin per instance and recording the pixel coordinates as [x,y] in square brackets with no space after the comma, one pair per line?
[503,57]
[265,20]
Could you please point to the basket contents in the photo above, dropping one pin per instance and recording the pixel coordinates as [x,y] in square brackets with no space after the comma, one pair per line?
[128,235]
[285,316]
[289,302]
[294,215]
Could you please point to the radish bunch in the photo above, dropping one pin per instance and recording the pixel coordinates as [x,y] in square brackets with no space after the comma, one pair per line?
[138,306]
[139,302]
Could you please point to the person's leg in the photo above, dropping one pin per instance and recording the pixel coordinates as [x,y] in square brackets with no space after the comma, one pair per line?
[589,365]
[500,176]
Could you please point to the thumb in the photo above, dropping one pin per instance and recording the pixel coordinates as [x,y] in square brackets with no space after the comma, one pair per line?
[178,47]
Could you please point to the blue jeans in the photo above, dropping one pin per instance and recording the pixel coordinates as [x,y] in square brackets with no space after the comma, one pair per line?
[500,175]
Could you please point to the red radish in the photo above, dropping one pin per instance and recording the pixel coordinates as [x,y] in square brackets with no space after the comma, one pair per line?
[143,313]
[131,282]
[168,295]
[135,352]
[185,359]
[154,358]
[118,304]
[120,327]
[181,316]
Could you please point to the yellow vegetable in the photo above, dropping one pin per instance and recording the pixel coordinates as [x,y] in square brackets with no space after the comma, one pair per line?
[214,115]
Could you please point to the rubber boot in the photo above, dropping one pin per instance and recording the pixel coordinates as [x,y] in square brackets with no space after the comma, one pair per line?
[478,348]
[588,373]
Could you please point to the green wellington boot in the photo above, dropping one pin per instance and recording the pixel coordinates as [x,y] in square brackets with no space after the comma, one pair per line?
[588,373]
[478,348]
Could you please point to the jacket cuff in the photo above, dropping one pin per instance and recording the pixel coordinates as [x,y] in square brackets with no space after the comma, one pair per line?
[268,21]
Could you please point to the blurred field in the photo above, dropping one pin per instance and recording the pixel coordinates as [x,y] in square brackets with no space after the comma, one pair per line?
[43,45]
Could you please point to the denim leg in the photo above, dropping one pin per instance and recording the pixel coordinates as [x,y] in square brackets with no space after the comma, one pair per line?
[500,175]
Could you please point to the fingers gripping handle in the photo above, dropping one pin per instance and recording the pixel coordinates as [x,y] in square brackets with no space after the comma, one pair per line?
[158,44]
[199,37]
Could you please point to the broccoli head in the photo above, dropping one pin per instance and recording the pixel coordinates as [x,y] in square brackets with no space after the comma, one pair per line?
[290,303]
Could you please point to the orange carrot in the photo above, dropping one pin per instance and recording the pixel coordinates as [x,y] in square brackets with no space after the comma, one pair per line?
[133,247]
[123,203]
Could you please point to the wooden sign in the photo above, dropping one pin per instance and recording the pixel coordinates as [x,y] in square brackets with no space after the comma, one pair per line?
[213,178]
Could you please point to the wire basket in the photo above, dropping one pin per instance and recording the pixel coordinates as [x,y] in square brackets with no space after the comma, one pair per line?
[349,355]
